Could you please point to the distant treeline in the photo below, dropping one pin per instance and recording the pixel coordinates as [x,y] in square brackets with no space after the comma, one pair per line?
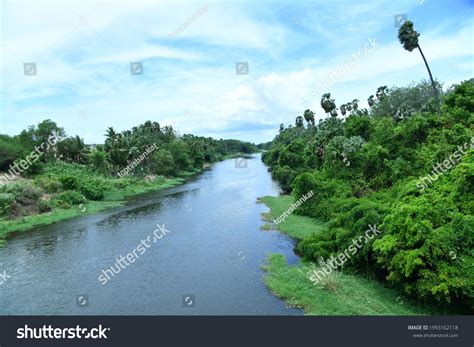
[173,154]
[62,172]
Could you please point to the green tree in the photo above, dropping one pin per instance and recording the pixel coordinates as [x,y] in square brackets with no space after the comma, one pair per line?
[328,104]
[309,117]
[163,163]
[409,39]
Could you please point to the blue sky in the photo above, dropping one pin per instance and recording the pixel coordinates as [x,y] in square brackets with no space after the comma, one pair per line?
[189,51]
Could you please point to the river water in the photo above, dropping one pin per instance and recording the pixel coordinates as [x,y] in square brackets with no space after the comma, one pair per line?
[208,262]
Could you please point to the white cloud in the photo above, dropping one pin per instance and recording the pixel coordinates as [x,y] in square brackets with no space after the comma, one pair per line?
[83,51]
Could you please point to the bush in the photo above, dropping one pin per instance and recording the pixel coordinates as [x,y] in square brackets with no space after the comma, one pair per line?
[50,184]
[71,198]
[69,182]
[427,247]
[285,176]
[44,206]
[93,190]
[6,201]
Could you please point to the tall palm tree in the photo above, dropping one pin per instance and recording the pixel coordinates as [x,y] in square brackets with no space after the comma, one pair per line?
[299,121]
[328,104]
[409,39]
[371,101]
[309,116]
[343,109]
[355,104]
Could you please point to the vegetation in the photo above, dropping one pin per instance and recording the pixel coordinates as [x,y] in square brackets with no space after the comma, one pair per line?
[409,39]
[364,170]
[344,295]
[295,226]
[71,175]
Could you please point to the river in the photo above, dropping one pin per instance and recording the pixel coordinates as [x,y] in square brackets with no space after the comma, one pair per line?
[207,263]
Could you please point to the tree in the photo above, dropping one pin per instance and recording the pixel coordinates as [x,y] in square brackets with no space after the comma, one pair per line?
[328,104]
[42,135]
[371,101]
[299,122]
[355,104]
[409,39]
[98,160]
[343,109]
[73,149]
[309,116]
[9,151]
[163,163]
[381,92]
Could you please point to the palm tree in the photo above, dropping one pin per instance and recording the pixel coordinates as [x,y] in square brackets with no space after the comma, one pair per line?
[309,116]
[409,39]
[343,109]
[355,104]
[328,104]
[299,121]
[371,101]
[381,92]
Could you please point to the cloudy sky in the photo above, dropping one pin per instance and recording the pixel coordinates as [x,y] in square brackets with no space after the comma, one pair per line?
[82,53]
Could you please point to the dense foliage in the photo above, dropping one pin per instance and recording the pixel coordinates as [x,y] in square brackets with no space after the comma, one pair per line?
[70,172]
[365,169]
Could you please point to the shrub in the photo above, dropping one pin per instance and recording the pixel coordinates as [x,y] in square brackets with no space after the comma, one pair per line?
[285,176]
[427,248]
[50,184]
[93,190]
[6,201]
[71,198]
[69,182]
[44,206]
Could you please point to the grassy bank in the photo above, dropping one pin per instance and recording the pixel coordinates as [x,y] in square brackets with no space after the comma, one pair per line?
[297,227]
[342,294]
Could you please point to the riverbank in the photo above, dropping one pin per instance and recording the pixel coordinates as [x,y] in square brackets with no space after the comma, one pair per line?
[112,198]
[339,293]
[115,193]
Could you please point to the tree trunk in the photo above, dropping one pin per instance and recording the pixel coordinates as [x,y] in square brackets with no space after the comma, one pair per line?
[432,81]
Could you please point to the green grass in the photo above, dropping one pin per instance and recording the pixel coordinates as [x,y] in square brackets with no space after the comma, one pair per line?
[8,227]
[113,198]
[295,226]
[142,187]
[354,295]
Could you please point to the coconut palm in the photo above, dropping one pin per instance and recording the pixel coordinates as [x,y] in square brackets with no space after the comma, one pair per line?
[409,39]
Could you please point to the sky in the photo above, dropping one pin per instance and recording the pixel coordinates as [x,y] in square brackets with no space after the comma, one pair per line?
[218,68]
